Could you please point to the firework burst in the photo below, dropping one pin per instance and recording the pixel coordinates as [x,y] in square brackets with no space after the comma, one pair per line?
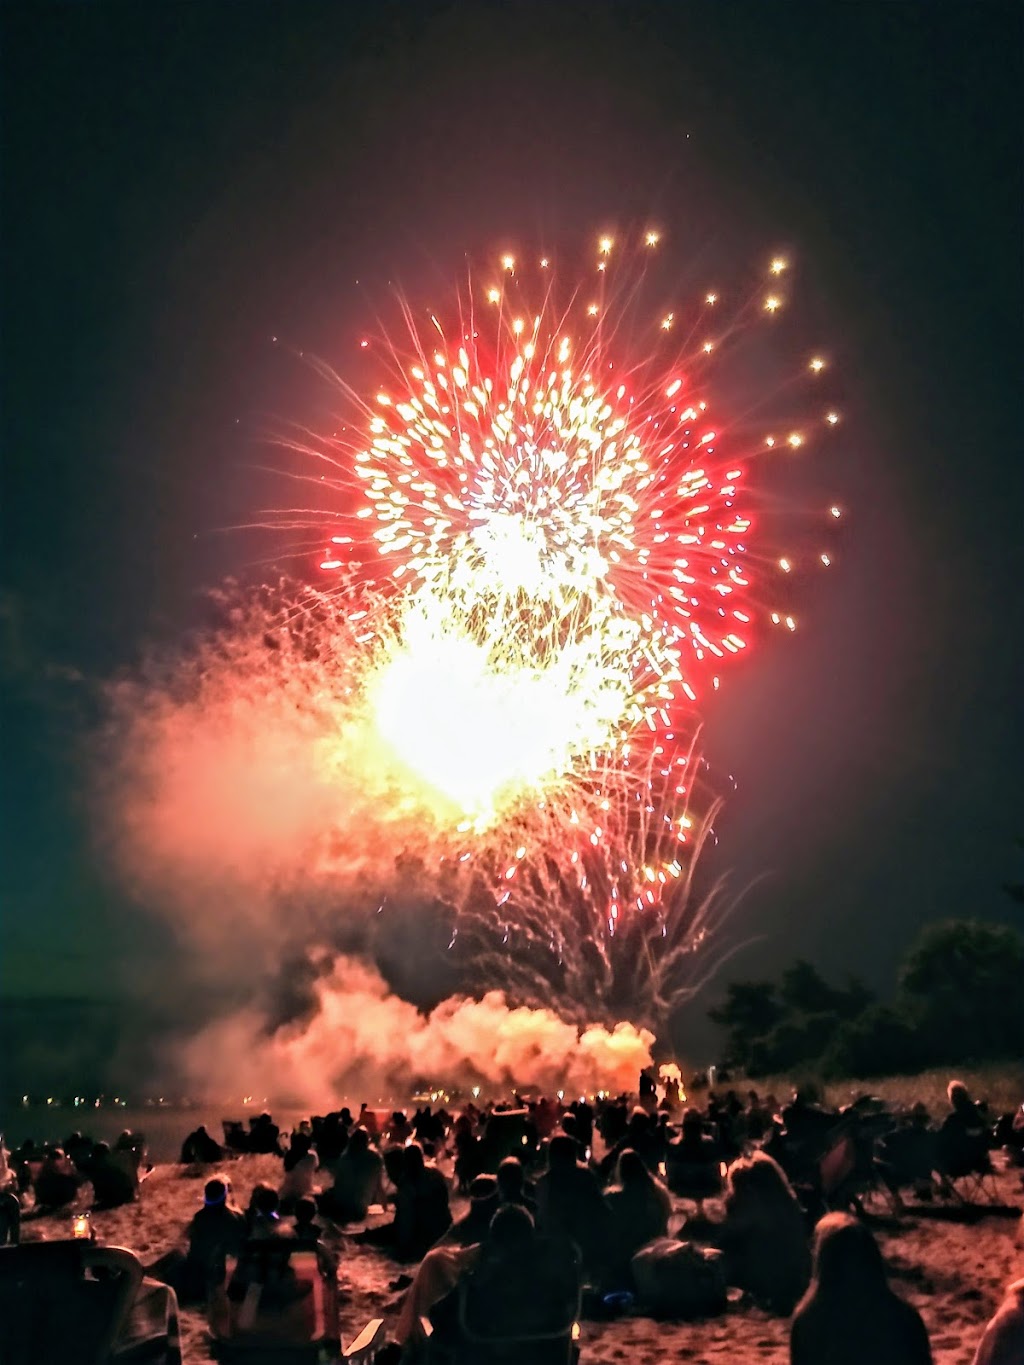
[547,554]
[561,520]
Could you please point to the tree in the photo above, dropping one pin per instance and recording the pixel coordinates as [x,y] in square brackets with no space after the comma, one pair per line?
[963,985]
[796,1042]
[750,1011]
[878,1042]
[805,991]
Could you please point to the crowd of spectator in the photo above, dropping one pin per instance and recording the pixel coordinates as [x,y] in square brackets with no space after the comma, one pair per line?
[577,1199]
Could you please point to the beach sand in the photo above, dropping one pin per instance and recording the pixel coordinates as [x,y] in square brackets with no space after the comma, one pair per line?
[954,1273]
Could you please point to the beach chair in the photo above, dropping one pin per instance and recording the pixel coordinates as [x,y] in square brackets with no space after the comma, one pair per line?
[967,1176]
[542,1328]
[64,1301]
[279,1306]
[965,1170]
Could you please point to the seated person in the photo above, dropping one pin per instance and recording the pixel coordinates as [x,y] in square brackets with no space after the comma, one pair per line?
[963,1139]
[331,1140]
[692,1162]
[78,1148]
[425,1126]
[468,1152]
[513,1288]
[299,1145]
[1009,1134]
[200,1147]
[807,1123]
[10,1218]
[1003,1342]
[235,1137]
[263,1216]
[512,1185]
[472,1227]
[763,1235]
[216,1232]
[908,1155]
[614,1123]
[298,1182]
[639,1208]
[422,1214]
[399,1129]
[306,1229]
[849,1315]
[758,1117]
[569,1204]
[131,1142]
[112,1184]
[642,1135]
[368,1119]
[264,1135]
[358,1180]
[56,1182]
[309,1235]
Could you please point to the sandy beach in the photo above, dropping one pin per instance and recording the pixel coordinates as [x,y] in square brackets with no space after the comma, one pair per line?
[953,1272]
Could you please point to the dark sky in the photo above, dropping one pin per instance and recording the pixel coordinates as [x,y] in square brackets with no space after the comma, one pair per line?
[183,182]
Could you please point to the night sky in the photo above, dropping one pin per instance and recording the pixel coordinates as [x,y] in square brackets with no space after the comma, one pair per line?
[185,182]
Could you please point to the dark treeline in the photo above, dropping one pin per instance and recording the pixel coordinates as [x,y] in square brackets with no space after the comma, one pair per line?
[960,999]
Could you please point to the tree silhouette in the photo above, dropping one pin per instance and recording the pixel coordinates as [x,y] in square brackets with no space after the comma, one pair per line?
[749,1012]
[962,985]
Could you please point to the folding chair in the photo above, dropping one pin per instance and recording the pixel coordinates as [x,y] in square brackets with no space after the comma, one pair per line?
[64,1301]
[543,1329]
[847,1171]
[279,1307]
[968,1176]
[963,1164]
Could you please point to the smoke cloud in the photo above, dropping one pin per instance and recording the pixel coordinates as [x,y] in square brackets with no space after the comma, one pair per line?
[360,1041]
[238,806]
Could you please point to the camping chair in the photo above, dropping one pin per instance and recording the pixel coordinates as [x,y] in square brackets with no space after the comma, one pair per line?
[965,1168]
[64,1301]
[847,1173]
[540,1325]
[279,1306]
[907,1161]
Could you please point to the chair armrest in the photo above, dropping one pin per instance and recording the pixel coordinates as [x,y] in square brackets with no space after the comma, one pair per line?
[360,1352]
